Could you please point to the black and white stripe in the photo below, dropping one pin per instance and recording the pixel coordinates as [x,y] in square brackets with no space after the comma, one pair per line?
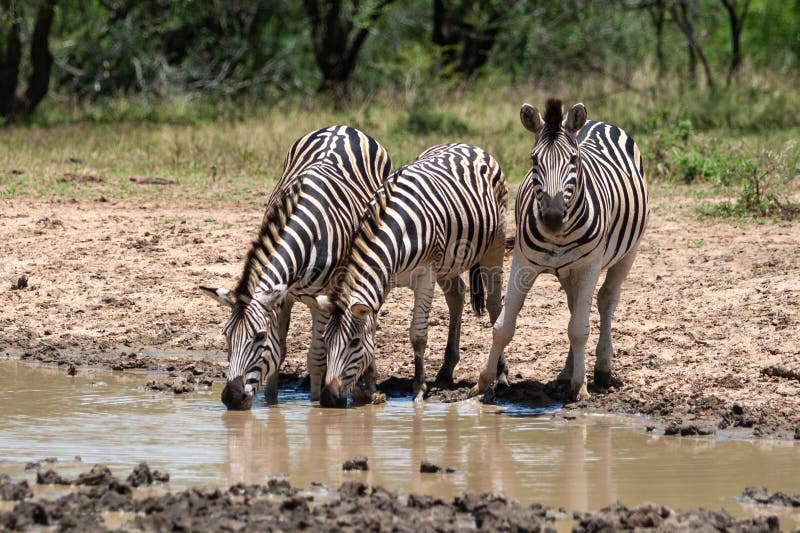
[433,219]
[581,209]
[329,176]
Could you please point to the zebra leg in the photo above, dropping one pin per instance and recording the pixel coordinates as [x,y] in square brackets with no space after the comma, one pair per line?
[520,282]
[316,353]
[284,316]
[583,283]
[454,290]
[566,372]
[492,266]
[607,300]
[423,295]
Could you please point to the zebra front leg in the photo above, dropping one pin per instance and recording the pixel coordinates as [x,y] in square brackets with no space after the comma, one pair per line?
[566,284]
[607,300]
[582,284]
[492,266]
[423,295]
[454,290]
[316,353]
[520,282]
[284,317]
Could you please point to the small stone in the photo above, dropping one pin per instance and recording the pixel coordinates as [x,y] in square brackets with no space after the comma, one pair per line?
[359,463]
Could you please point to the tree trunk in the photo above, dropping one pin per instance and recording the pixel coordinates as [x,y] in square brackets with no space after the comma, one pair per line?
[737,23]
[41,57]
[334,50]
[10,58]
[657,15]
[465,46]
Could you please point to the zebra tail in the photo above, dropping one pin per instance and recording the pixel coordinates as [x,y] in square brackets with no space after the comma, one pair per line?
[477,294]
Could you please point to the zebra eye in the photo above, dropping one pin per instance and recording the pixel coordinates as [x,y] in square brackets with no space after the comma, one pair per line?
[260,336]
[534,160]
[353,343]
[573,160]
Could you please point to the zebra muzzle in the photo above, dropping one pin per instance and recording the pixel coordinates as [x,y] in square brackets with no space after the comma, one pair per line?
[553,211]
[331,395]
[236,396]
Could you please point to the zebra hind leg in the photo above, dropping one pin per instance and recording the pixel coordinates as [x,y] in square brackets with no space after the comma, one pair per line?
[607,300]
[454,290]
[316,354]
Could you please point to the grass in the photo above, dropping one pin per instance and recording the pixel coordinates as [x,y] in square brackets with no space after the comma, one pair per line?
[694,142]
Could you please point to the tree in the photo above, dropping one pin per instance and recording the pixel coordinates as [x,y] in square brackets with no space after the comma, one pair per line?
[338,34]
[41,59]
[682,16]
[737,13]
[466,31]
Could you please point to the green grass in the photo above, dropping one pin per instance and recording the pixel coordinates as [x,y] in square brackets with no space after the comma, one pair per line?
[695,144]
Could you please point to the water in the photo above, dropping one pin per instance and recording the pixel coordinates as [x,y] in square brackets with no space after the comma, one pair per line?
[583,464]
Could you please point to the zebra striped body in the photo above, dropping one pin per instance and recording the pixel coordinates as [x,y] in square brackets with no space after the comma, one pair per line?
[581,209]
[433,219]
[329,176]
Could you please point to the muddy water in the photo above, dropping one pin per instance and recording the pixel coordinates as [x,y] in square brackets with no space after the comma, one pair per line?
[580,464]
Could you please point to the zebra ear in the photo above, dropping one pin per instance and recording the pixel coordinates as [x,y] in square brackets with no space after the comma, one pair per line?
[576,118]
[272,297]
[531,118]
[360,311]
[223,296]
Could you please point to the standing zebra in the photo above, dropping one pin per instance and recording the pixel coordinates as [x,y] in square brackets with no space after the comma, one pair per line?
[433,219]
[581,209]
[328,177]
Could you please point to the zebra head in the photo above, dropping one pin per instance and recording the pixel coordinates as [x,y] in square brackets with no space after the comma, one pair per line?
[253,344]
[555,161]
[350,342]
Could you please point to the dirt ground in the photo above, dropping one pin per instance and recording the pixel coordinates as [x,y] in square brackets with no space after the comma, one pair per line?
[706,333]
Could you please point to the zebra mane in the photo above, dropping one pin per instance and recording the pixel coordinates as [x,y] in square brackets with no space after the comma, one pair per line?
[279,211]
[553,117]
[342,282]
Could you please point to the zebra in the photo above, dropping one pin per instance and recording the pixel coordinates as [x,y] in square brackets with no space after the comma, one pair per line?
[581,209]
[328,178]
[433,219]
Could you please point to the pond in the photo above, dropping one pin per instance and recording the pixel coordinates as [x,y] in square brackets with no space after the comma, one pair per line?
[531,456]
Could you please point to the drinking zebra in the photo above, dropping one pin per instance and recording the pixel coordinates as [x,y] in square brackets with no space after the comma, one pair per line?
[433,219]
[328,177]
[581,209]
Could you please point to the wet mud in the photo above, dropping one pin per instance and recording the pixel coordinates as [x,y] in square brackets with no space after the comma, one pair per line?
[353,506]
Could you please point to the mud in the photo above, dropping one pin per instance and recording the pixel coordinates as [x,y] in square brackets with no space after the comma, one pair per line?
[658,518]
[762,495]
[354,506]
[705,332]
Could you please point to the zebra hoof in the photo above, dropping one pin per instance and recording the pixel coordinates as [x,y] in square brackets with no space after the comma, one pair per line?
[579,391]
[602,379]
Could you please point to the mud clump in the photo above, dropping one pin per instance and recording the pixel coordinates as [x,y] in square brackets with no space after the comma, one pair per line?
[50,477]
[618,517]
[13,490]
[178,385]
[688,428]
[359,463]
[142,476]
[427,467]
[763,496]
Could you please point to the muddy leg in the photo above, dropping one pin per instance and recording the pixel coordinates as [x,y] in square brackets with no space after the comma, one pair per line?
[520,282]
[316,353]
[284,316]
[607,300]
[423,295]
[492,266]
[454,290]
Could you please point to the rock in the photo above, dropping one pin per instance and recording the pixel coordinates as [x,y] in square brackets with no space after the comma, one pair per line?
[427,467]
[142,475]
[763,496]
[13,490]
[687,428]
[359,463]
[21,283]
[98,475]
[50,477]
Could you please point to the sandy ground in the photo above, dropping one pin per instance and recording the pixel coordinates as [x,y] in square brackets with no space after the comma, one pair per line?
[706,333]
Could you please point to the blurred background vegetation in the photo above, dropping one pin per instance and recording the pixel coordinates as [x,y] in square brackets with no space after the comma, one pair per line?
[210,93]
